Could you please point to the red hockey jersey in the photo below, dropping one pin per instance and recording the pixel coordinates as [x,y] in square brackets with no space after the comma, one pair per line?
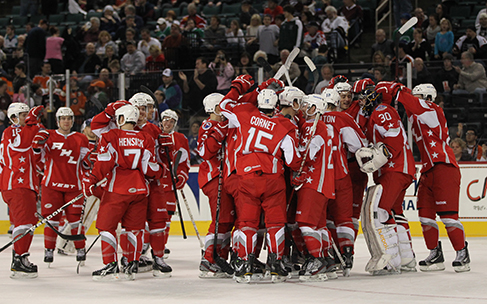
[385,126]
[180,144]
[62,156]
[430,130]
[150,128]
[210,151]
[356,112]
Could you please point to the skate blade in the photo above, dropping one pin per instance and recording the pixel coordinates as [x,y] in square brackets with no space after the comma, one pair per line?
[161,275]
[128,276]
[346,272]
[408,269]
[256,277]
[144,269]
[245,279]
[212,275]
[463,268]
[332,275]
[106,278]
[278,279]
[384,272]
[432,267]
[19,275]
[314,278]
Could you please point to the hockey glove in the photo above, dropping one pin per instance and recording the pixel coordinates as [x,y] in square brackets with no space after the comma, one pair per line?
[389,90]
[40,139]
[372,158]
[180,181]
[165,140]
[242,83]
[220,131]
[298,181]
[89,184]
[34,115]
[272,84]
[113,106]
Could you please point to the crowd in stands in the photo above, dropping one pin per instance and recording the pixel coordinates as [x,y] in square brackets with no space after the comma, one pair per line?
[186,50]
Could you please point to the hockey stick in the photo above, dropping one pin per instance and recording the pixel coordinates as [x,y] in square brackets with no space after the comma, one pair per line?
[337,251]
[88,250]
[192,220]
[56,212]
[312,67]
[313,131]
[146,90]
[409,24]
[284,69]
[218,259]
[265,64]
[76,237]
[175,193]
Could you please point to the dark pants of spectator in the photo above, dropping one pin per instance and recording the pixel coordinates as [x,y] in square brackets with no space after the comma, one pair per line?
[57,66]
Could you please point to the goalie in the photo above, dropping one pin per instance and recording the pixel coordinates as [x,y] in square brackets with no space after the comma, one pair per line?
[390,158]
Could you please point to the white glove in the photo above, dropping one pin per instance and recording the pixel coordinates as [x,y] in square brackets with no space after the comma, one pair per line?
[371,159]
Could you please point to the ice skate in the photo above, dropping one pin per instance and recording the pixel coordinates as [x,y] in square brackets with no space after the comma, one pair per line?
[259,270]
[22,268]
[462,260]
[315,271]
[130,270]
[278,272]
[108,273]
[348,258]
[209,270]
[434,262]
[145,264]
[80,255]
[49,256]
[408,265]
[244,269]
[331,269]
[160,269]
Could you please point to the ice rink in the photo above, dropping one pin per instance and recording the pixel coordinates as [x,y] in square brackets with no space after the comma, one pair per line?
[61,284]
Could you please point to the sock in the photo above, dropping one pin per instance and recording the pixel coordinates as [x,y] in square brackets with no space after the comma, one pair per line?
[109,246]
[50,236]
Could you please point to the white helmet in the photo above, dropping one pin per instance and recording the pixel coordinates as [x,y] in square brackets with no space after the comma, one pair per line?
[343,87]
[289,95]
[14,109]
[314,100]
[427,90]
[140,99]
[150,101]
[64,111]
[267,99]
[211,101]
[130,113]
[331,96]
[171,114]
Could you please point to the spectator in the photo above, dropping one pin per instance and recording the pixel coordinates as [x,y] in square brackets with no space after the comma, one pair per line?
[109,56]
[354,15]
[163,29]
[294,70]
[16,58]
[98,100]
[472,145]
[256,65]
[470,42]
[5,99]
[482,26]
[130,12]
[380,74]
[89,62]
[145,10]
[156,60]
[35,46]
[441,11]
[408,35]
[306,18]
[459,148]
[279,20]
[223,70]
[423,20]
[403,60]
[482,11]
[20,77]
[175,47]
[472,77]
[90,31]
[201,84]
[122,31]
[267,36]
[378,59]
[246,13]
[130,35]
[244,65]
[334,22]
[386,46]
[72,49]
[192,14]
[235,37]
[172,92]
[444,39]
[419,47]
[109,85]
[114,67]
[313,39]
[433,28]
[146,42]
[273,9]
[109,21]
[195,158]
[291,31]
[215,34]
[76,96]
[105,40]
[133,62]
[54,53]
[193,34]
[44,76]
[484,152]
[327,72]
[251,33]
[447,76]
[161,101]
[401,7]
[11,40]
[420,72]
[319,60]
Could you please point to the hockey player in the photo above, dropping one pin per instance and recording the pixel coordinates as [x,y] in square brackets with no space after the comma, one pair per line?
[20,183]
[62,152]
[394,169]
[209,182]
[347,138]
[439,185]
[259,167]
[126,158]
[316,185]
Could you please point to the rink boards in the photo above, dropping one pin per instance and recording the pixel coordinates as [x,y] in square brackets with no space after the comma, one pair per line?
[473,205]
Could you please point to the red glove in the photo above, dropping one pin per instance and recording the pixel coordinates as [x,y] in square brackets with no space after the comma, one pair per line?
[113,106]
[362,84]
[337,79]
[299,180]
[180,181]
[34,115]
[40,139]
[165,140]
[243,83]
[220,131]
[272,84]
[89,184]
[389,90]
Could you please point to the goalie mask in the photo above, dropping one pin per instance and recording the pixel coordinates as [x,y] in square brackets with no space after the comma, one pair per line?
[14,109]
[267,99]
[211,101]
[129,113]
[64,111]
[426,90]
[291,95]
[315,100]
[371,99]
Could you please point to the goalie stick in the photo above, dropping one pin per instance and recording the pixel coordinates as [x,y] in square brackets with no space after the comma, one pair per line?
[284,69]
[56,212]
[409,24]
[265,64]
[314,70]
[87,250]
[76,237]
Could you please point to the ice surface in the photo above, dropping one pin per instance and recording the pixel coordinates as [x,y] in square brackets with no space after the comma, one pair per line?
[61,284]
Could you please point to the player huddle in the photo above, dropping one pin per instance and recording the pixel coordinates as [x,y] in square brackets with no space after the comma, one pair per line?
[280,168]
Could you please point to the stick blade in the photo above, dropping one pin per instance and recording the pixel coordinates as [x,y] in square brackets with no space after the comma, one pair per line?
[146,90]
[310,63]
[409,24]
[265,64]
[280,72]
[294,53]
